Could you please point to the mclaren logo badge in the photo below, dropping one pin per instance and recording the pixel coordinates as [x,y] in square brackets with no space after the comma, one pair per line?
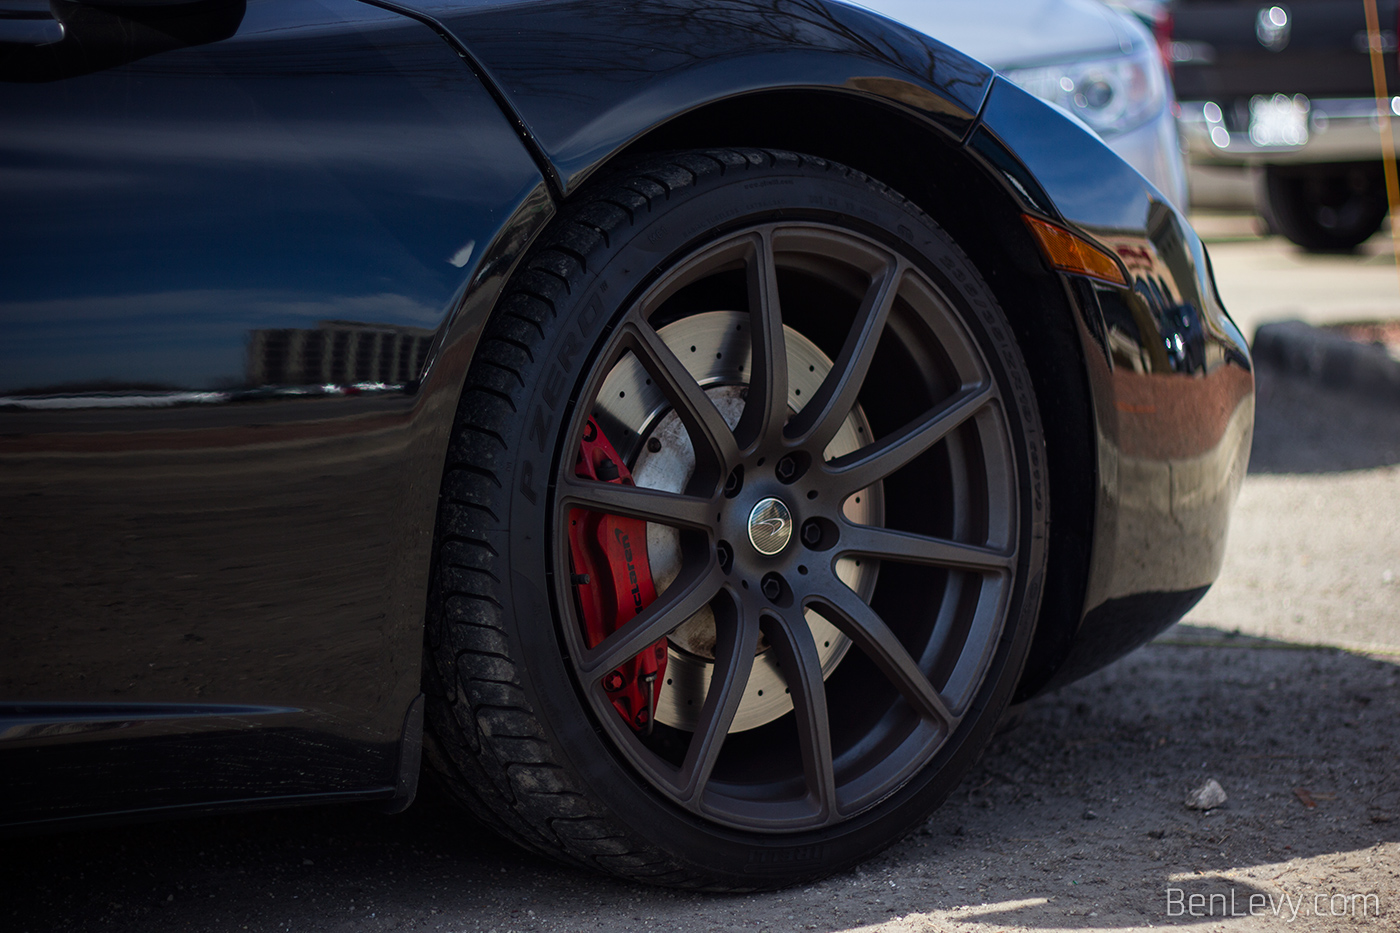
[770,526]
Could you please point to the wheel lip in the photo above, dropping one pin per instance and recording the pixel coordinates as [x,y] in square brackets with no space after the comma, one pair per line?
[672,277]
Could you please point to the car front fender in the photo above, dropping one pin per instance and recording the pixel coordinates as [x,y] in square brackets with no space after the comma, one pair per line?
[1170,374]
[584,79]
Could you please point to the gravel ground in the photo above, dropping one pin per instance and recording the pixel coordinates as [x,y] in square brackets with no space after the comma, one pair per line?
[1283,685]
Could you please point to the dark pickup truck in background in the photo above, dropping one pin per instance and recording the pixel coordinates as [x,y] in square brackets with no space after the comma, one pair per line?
[1286,90]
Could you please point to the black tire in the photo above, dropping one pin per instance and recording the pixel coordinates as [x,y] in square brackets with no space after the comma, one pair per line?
[865,745]
[1325,208]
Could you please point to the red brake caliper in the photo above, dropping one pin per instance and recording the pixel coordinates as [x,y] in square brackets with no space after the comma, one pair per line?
[613,580]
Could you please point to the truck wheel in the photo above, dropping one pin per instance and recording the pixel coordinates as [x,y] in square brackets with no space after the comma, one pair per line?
[1325,208]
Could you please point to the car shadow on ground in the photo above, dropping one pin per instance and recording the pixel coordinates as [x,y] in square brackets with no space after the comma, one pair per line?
[1075,818]
[1301,426]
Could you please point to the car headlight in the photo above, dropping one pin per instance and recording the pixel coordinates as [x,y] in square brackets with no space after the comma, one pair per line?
[1111,95]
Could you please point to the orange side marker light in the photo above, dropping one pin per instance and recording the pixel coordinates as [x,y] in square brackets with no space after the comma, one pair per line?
[1070,253]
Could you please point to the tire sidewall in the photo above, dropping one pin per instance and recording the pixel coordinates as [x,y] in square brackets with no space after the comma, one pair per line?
[614,275]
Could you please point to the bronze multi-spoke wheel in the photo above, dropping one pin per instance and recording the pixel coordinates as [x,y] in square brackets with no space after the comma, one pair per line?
[826,436]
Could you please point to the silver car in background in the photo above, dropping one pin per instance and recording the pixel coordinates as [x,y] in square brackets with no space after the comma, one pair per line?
[1096,63]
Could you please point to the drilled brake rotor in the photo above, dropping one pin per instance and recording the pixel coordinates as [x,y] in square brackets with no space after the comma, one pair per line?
[638,419]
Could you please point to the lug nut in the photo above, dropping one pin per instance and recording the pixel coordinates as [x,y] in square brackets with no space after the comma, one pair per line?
[786,469]
[734,483]
[811,533]
[772,587]
[725,555]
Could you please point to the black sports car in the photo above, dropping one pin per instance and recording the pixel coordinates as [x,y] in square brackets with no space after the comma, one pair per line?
[685,425]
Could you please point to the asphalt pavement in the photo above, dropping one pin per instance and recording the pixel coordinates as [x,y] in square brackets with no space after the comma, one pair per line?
[1283,685]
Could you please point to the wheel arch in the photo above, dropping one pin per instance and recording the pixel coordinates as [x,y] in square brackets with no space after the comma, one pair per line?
[951,185]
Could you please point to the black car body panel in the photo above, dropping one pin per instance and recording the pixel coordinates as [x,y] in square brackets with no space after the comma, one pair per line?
[245,279]
[225,270]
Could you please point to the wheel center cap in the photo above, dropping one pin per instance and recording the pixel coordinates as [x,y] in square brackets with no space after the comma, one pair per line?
[770,526]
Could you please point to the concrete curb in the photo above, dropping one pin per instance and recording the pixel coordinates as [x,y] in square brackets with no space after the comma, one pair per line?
[1328,359]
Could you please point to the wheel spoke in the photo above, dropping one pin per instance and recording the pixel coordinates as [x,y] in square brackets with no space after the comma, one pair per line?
[864,627]
[872,463]
[711,437]
[649,505]
[819,420]
[797,653]
[904,548]
[687,595]
[737,639]
[766,410]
